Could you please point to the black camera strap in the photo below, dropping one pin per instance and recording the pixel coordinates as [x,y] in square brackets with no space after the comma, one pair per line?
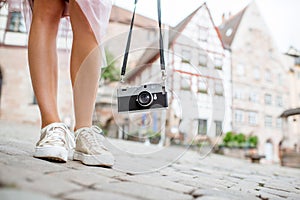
[161,45]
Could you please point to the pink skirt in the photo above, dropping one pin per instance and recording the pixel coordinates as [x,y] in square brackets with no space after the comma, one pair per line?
[97,13]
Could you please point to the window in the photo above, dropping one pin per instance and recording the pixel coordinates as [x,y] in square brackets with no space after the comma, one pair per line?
[202,126]
[252,118]
[268,99]
[271,53]
[297,61]
[256,74]
[238,94]
[228,32]
[202,85]
[151,35]
[219,89]
[218,63]
[268,121]
[218,128]
[203,35]
[240,69]
[239,115]
[186,56]
[34,102]
[279,123]
[254,97]
[64,29]
[279,101]
[16,22]
[185,82]
[268,76]
[203,60]
[298,74]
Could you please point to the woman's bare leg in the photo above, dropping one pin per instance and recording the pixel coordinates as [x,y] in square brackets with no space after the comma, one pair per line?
[43,58]
[85,72]
[85,67]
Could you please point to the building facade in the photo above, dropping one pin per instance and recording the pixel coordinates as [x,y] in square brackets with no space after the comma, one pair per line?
[291,116]
[198,69]
[260,80]
[17,100]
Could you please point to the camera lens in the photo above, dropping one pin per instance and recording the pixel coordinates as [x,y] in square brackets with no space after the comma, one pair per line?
[145,98]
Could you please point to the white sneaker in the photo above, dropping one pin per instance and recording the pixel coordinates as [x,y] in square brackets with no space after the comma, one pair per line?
[56,143]
[90,149]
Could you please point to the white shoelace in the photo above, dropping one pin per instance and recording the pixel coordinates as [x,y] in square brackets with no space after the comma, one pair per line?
[58,134]
[94,136]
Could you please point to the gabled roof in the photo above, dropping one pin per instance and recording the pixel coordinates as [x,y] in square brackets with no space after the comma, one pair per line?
[124,16]
[229,28]
[152,52]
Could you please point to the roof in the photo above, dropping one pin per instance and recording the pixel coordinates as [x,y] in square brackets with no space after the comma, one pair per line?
[153,50]
[292,51]
[229,28]
[290,112]
[124,16]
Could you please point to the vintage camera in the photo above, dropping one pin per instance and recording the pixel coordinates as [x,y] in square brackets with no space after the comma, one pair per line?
[139,98]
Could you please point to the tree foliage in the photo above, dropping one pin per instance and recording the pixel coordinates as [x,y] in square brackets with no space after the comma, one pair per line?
[110,73]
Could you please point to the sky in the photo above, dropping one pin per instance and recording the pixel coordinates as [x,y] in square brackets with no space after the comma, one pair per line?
[279,15]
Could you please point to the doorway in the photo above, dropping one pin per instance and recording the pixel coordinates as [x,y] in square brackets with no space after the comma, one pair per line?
[269,150]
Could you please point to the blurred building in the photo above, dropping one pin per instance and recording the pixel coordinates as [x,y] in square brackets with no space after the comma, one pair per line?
[144,33]
[17,100]
[198,69]
[291,116]
[227,78]
[260,79]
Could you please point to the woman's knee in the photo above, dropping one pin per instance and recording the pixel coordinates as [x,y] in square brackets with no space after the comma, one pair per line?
[80,24]
[48,12]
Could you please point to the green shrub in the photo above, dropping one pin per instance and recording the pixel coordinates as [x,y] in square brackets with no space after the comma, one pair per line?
[232,139]
[228,137]
[253,141]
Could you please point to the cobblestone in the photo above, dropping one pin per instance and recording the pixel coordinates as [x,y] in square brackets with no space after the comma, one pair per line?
[219,194]
[83,178]
[94,195]
[158,182]
[13,194]
[142,191]
[193,176]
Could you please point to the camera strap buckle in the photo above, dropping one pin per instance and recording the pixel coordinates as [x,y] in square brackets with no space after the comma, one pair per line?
[163,75]
[122,79]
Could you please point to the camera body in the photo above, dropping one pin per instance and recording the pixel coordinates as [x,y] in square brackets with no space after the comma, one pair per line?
[144,97]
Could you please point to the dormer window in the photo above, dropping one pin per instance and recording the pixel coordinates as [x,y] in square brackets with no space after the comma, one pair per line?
[228,32]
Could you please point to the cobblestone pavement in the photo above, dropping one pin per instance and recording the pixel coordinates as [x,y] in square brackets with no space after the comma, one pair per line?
[190,177]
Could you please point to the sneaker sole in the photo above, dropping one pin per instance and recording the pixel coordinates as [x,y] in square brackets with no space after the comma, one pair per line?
[57,154]
[105,160]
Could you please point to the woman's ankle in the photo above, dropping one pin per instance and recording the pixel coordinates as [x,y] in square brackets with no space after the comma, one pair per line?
[47,122]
